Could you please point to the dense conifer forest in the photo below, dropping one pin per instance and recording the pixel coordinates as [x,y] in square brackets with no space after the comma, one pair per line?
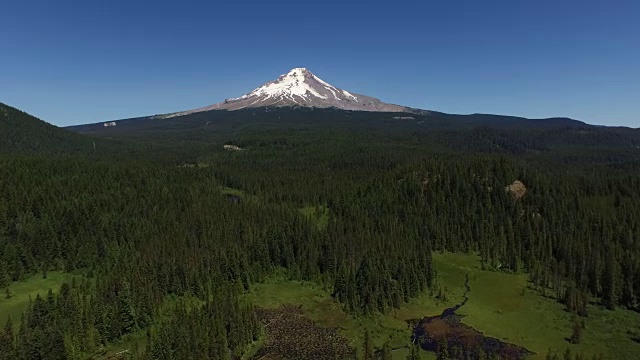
[145,218]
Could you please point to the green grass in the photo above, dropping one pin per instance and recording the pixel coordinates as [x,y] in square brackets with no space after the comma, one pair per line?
[317,214]
[22,291]
[237,192]
[138,339]
[325,311]
[502,306]
[253,349]
[497,306]
[232,191]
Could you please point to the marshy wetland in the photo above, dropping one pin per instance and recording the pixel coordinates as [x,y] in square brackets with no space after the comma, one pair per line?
[493,311]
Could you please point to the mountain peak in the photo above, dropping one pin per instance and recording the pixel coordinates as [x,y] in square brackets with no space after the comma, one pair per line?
[298,70]
[300,87]
[300,74]
[297,87]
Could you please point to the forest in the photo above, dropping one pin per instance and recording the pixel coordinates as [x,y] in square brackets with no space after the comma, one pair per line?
[143,218]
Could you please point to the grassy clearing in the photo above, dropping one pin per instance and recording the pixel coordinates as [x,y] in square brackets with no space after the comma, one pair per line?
[253,349]
[22,291]
[318,305]
[232,191]
[127,344]
[237,192]
[318,214]
[138,339]
[500,305]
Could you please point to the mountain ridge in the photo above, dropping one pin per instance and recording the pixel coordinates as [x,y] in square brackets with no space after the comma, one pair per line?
[21,132]
[301,88]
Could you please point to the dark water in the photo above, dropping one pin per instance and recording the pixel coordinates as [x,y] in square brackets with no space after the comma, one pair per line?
[452,311]
[462,340]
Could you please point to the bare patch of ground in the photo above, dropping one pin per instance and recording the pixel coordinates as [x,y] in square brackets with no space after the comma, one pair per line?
[290,335]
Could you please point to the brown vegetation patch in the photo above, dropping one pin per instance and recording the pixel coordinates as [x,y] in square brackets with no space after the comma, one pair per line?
[446,334]
[517,189]
[290,335]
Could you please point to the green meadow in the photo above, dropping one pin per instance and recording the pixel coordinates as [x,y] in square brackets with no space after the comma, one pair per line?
[23,291]
[500,305]
[319,215]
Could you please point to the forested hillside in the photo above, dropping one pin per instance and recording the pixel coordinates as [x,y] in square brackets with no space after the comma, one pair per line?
[21,132]
[164,251]
[475,133]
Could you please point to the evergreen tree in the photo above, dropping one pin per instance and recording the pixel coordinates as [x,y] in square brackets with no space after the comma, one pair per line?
[443,349]
[576,335]
[7,341]
[386,352]
[414,354]
[367,346]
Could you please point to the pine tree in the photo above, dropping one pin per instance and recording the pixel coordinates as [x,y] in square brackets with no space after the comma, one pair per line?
[551,355]
[612,287]
[414,354]
[576,335]
[126,313]
[368,346]
[386,352]
[443,349]
[7,342]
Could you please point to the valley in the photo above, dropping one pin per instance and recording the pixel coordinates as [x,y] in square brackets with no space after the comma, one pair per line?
[505,312]
[226,180]
[332,234]
[511,312]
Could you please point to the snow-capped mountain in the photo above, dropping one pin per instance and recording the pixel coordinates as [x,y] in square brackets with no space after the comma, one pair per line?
[299,87]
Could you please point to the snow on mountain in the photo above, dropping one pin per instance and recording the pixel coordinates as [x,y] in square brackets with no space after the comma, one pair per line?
[299,83]
[300,87]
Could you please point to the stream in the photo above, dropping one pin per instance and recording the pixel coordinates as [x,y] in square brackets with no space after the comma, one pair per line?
[462,340]
[452,310]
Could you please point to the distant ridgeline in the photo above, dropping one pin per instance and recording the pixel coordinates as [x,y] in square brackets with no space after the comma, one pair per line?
[477,132]
[167,255]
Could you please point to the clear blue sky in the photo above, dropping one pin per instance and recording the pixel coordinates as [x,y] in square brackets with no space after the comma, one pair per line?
[71,62]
